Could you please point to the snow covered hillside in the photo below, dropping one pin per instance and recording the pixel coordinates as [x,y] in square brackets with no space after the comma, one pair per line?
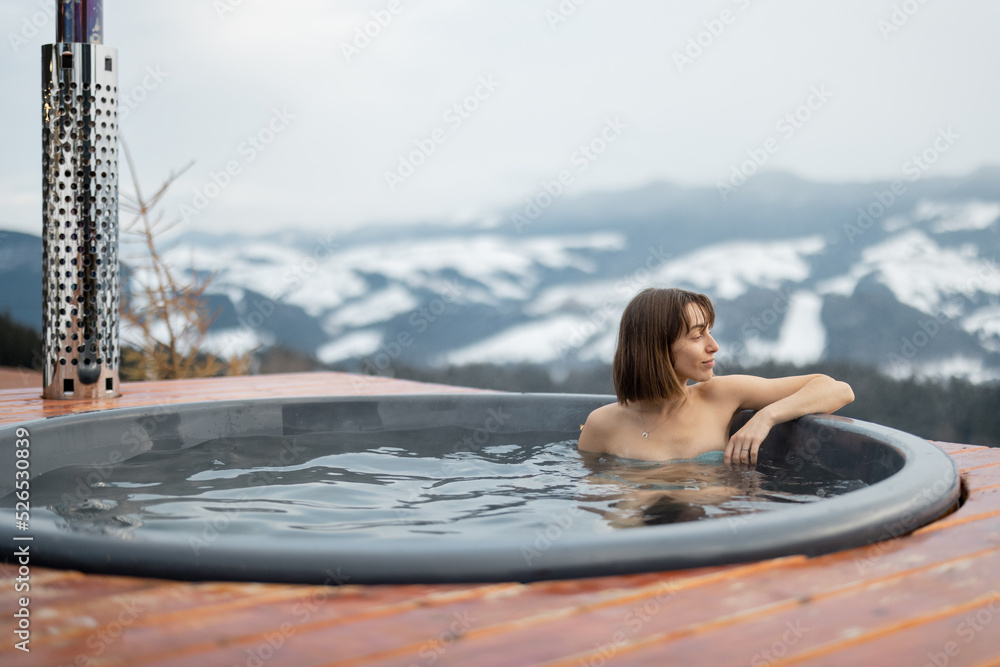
[799,272]
[916,292]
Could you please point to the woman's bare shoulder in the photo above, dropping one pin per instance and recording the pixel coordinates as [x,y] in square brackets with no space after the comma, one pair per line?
[601,423]
[753,392]
[714,388]
[724,391]
[728,385]
[605,416]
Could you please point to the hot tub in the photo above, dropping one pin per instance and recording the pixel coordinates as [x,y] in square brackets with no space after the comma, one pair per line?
[909,483]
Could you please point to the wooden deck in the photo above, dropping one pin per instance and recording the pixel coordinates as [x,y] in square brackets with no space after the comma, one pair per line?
[930,598]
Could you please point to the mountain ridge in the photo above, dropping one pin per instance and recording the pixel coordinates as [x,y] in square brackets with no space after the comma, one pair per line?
[799,271]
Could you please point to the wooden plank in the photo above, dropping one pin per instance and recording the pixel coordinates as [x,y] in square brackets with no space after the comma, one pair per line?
[983,476]
[711,608]
[19,405]
[86,590]
[865,599]
[963,634]
[832,627]
[954,447]
[386,634]
[982,487]
[981,500]
[200,617]
[975,459]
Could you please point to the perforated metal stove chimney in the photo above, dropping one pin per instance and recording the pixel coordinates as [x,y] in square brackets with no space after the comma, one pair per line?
[80,271]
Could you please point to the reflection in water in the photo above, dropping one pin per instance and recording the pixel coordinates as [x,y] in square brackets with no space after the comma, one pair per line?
[656,492]
[379,485]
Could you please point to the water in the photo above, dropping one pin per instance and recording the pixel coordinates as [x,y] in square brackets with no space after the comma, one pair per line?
[374,485]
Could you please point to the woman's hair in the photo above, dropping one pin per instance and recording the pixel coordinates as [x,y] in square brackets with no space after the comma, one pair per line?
[654,319]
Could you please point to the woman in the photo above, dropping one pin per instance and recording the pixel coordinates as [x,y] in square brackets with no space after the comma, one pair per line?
[665,342]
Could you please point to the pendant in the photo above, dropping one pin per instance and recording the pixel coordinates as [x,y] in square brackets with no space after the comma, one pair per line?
[645,435]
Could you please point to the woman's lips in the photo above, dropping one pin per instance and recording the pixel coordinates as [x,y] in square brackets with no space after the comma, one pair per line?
[710,363]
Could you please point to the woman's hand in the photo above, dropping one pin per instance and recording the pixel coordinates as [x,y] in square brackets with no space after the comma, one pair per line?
[777,401]
[743,445]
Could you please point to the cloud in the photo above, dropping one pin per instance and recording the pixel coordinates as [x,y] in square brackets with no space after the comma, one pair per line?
[229,71]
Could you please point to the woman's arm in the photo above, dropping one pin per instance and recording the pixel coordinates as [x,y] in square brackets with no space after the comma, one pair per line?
[777,401]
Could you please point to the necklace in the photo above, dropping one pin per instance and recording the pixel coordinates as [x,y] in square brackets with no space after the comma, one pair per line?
[645,433]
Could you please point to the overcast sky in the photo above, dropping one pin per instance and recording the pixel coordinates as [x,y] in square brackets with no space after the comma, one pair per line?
[313,116]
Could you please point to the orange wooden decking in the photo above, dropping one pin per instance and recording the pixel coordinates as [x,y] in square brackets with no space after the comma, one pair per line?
[930,598]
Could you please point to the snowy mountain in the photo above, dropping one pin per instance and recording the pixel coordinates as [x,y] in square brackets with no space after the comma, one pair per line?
[902,276]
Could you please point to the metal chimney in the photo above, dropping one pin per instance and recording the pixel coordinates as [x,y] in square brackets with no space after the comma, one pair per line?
[80,272]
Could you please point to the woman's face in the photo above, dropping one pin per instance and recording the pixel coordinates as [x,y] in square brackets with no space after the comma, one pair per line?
[694,352]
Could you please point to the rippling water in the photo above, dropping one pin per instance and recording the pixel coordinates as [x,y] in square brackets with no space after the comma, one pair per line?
[377,485]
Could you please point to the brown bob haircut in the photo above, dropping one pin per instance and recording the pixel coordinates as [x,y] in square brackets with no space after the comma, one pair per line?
[654,319]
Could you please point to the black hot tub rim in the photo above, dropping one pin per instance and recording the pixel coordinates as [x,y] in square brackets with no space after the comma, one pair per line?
[912,483]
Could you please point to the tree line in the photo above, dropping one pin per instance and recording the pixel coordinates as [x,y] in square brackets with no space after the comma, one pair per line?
[951,411]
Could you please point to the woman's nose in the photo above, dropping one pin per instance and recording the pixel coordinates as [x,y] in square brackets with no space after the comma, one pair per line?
[712,345]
